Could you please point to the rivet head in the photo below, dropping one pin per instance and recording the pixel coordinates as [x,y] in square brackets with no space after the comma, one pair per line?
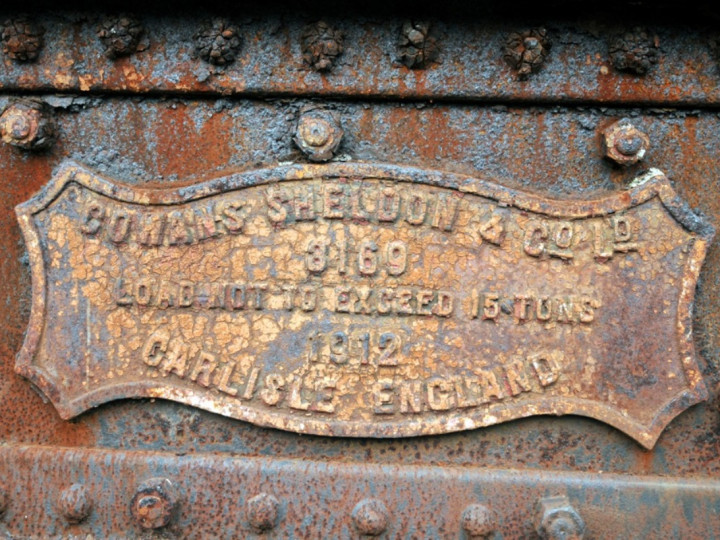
[416,47]
[321,45]
[120,35]
[21,39]
[557,519]
[74,503]
[318,134]
[624,143]
[263,511]
[218,42]
[634,52]
[154,503]
[478,521]
[526,51]
[370,517]
[28,125]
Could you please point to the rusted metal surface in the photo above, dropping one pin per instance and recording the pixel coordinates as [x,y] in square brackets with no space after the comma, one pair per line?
[464,112]
[347,301]
[554,152]
[271,56]
[317,499]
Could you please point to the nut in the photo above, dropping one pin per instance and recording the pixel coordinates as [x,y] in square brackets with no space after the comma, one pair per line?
[262,511]
[370,517]
[27,124]
[624,143]
[21,39]
[634,52]
[478,521]
[120,35]
[417,48]
[527,51]
[218,42]
[558,520]
[321,45]
[318,134]
[153,504]
[74,503]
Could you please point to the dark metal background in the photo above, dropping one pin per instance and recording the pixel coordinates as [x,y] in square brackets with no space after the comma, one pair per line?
[161,115]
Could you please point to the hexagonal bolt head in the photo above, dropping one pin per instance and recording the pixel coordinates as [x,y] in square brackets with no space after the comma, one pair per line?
[74,503]
[370,517]
[154,502]
[478,521]
[263,511]
[558,520]
[624,143]
[28,125]
[318,134]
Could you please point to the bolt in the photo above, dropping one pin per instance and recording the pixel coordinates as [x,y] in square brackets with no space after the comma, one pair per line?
[21,39]
[262,511]
[120,35]
[478,521]
[153,503]
[634,52]
[417,48]
[527,51]
[370,517]
[74,503]
[624,143]
[318,134]
[27,124]
[558,520]
[321,45]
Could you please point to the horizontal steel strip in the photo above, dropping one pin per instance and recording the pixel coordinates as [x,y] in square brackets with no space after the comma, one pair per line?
[316,499]
[470,64]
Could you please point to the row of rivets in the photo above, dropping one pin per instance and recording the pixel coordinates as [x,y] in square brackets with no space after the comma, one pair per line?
[155,503]
[218,41]
[27,124]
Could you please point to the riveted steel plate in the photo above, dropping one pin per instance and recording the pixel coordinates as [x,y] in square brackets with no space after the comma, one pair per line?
[364,299]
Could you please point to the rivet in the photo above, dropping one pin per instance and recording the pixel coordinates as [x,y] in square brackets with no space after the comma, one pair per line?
[634,52]
[526,51]
[321,45]
[154,502]
[22,40]
[478,521]
[624,143]
[218,42]
[370,517]
[263,511]
[120,35]
[74,503]
[557,519]
[416,47]
[318,134]
[27,124]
